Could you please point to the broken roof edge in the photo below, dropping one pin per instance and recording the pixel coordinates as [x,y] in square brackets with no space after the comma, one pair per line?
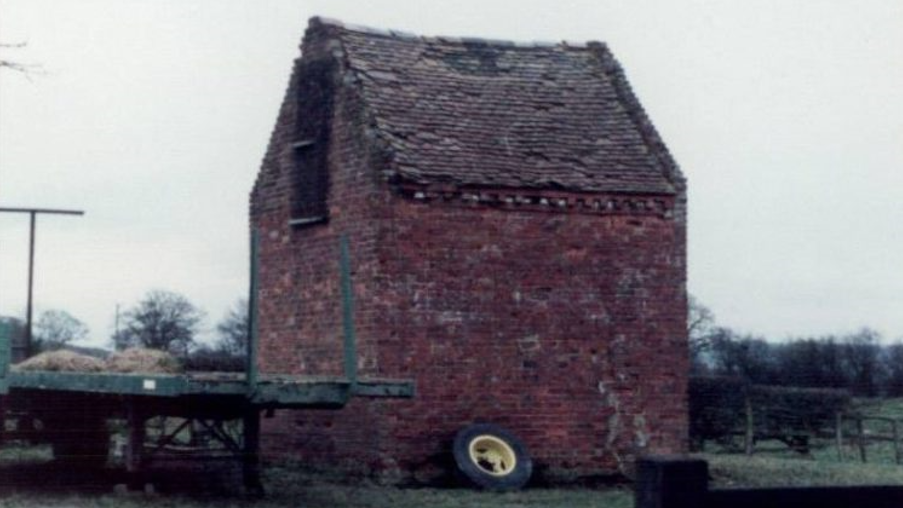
[405,183]
[608,63]
[638,116]
[320,21]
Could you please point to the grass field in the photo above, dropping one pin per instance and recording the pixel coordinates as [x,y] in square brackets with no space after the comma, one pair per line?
[319,494]
[293,487]
[290,487]
[29,481]
[732,470]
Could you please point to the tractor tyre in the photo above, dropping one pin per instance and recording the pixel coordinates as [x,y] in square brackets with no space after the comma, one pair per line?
[492,458]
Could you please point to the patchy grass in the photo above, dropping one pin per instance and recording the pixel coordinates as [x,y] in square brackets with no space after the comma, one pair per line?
[35,483]
[762,471]
[888,408]
[12,454]
[332,498]
[318,492]
[292,487]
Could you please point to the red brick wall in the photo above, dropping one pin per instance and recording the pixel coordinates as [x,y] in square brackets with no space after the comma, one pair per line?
[299,298]
[565,324]
[566,328]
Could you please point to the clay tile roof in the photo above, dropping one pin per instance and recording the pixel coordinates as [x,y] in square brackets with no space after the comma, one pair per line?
[476,112]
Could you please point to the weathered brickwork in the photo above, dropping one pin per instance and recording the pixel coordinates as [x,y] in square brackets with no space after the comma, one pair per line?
[558,312]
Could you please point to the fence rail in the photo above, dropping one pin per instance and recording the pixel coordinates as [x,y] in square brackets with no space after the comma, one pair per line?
[849,430]
[861,438]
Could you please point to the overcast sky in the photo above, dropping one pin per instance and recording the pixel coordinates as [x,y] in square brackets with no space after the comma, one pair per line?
[153,116]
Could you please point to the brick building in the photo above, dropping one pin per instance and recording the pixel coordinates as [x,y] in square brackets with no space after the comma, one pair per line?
[517,230]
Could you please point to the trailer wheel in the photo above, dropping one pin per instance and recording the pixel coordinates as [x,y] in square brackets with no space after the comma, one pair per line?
[491,457]
[81,442]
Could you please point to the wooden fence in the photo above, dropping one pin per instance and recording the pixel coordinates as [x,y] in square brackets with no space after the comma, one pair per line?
[856,436]
[861,439]
[679,482]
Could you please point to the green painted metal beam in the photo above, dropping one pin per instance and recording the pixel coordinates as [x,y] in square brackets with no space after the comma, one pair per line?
[350,345]
[383,388]
[5,352]
[122,384]
[270,392]
[333,394]
[251,369]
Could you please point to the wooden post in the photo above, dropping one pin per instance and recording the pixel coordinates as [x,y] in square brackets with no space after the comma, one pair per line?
[251,453]
[838,434]
[860,431]
[896,432]
[750,427]
[134,451]
[671,482]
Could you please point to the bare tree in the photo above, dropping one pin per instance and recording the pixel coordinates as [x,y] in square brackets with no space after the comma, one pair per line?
[893,361]
[162,320]
[861,360]
[748,357]
[55,328]
[27,70]
[14,328]
[700,329]
[233,330]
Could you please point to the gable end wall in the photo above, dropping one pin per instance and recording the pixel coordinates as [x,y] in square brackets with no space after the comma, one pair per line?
[565,324]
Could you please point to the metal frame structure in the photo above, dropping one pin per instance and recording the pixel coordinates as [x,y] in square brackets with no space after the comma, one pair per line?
[73,406]
[33,213]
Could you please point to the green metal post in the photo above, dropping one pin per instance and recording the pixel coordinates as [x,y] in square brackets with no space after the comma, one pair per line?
[251,368]
[5,343]
[5,340]
[348,313]
[33,213]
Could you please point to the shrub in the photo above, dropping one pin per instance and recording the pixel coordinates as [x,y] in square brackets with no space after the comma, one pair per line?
[214,360]
[785,411]
[718,409]
[716,406]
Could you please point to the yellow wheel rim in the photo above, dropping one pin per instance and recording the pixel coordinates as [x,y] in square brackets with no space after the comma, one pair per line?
[492,455]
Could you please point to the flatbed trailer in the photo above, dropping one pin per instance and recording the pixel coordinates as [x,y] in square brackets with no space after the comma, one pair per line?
[70,410]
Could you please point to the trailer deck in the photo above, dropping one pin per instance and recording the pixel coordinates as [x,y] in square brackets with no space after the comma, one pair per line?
[70,410]
[270,391]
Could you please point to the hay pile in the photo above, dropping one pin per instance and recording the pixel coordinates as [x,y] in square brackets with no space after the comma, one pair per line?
[130,361]
[61,361]
[144,361]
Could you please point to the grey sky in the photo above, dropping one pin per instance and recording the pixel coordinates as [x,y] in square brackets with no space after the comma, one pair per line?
[787,118]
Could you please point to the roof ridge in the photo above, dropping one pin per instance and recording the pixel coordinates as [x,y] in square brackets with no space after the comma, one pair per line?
[404,35]
[487,113]
[637,114]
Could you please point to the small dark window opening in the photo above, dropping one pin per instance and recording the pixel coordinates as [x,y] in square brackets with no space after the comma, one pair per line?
[310,147]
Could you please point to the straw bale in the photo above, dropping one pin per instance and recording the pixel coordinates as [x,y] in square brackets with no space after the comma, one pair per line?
[144,361]
[62,360]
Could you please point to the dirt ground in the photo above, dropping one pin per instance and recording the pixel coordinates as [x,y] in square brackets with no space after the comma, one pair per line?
[29,480]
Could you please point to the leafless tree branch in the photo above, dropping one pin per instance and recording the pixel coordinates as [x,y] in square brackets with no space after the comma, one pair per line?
[27,70]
